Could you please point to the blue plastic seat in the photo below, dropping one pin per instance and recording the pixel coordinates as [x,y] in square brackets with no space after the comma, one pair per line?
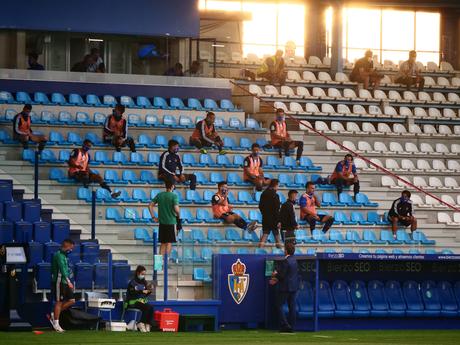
[127,101]
[215,176]
[376,219]
[227,105]
[447,299]
[341,218]
[41,98]
[177,103]
[120,158]
[247,198]
[143,102]
[210,104]
[306,163]
[83,276]
[161,141]
[83,194]
[221,123]
[387,236]
[252,124]
[224,251]
[186,214]
[342,299]
[377,299]
[153,158]
[58,98]
[233,235]
[195,197]
[215,235]
[109,101]
[245,143]
[131,214]
[139,195]
[369,235]
[255,215]
[260,251]
[234,178]
[329,199]
[82,118]
[274,163]
[75,99]
[207,160]
[113,214]
[305,300]
[236,123]
[49,117]
[93,100]
[346,199]
[242,251]
[395,298]
[357,217]
[203,215]
[352,235]
[48,156]
[198,236]
[364,200]
[421,237]
[57,138]
[111,176]
[7,97]
[185,122]
[194,103]
[360,298]
[142,234]
[23,97]
[430,296]
[42,273]
[326,305]
[300,180]
[318,235]
[403,236]
[160,102]
[74,138]
[135,120]
[200,274]
[104,195]
[413,299]
[99,118]
[230,144]
[336,236]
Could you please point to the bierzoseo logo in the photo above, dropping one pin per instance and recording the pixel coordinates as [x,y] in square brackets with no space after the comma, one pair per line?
[238,282]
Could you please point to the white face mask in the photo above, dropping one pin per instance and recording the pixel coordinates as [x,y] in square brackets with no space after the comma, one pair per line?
[141,276]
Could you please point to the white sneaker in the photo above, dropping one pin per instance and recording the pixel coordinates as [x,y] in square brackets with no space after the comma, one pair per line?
[141,327]
[148,328]
[131,326]
[57,327]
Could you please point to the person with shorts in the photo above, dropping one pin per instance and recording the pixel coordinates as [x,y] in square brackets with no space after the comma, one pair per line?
[22,130]
[269,206]
[345,174]
[115,131]
[288,219]
[308,203]
[171,168]
[221,209]
[252,169]
[205,135]
[168,216]
[61,283]
[410,73]
[401,213]
[79,168]
[281,139]
[364,72]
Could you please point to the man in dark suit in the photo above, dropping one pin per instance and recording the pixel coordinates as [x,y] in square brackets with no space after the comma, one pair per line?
[287,279]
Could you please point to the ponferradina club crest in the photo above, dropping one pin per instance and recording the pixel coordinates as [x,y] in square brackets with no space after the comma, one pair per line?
[238,281]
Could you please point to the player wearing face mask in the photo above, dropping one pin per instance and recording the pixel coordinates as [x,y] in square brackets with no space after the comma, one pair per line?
[116,130]
[308,203]
[281,139]
[287,217]
[171,168]
[79,168]
[137,297]
[205,135]
[253,171]
[401,213]
[22,130]
[221,209]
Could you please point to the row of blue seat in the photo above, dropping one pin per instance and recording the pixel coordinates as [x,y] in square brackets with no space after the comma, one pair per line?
[379,299]
[88,252]
[88,276]
[65,118]
[38,231]
[188,159]
[110,101]
[195,197]
[131,215]
[231,235]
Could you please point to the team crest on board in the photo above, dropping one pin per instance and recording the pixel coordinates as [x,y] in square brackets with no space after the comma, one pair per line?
[238,281]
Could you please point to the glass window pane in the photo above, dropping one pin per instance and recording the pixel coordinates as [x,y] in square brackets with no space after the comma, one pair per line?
[363,28]
[397,30]
[291,20]
[261,29]
[425,57]
[354,54]
[221,5]
[428,26]
[395,55]
[259,49]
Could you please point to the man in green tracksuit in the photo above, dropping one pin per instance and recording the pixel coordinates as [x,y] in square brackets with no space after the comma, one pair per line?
[61,283]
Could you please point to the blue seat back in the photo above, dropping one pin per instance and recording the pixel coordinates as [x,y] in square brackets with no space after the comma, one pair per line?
[359,295]
[341,294]
[377,296]
[412,296]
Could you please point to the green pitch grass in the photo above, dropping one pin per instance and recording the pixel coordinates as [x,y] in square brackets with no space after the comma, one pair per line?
[422,337]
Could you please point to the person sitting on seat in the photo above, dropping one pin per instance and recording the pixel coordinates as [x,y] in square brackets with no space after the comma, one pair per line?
[345,175]
[253,172]
[22,130]
[116,130]
[272,69]
[137,298]
[79,168]
[281,139]
[409,73]
[171,168]
[205,135]
[364,72]
[221,209]
[401,213]
[308,203]
[33,63]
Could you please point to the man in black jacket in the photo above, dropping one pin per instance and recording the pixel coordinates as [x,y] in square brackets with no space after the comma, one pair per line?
[287,217]
[401,213]
[287,278]
[171,168]
[269,206]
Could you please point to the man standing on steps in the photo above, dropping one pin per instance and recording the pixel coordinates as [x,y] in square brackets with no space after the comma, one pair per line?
[79,168]
[252,169]
[171,168]
[168,216]
[116,130]
[281,139]
[22,130]
[205,135]
[288,219]
[221,209]
[269,206]
[61,283]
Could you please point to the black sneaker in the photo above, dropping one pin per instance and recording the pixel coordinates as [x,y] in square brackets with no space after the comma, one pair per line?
[115,195]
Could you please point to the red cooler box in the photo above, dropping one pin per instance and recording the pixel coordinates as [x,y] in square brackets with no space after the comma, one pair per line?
[167,320]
